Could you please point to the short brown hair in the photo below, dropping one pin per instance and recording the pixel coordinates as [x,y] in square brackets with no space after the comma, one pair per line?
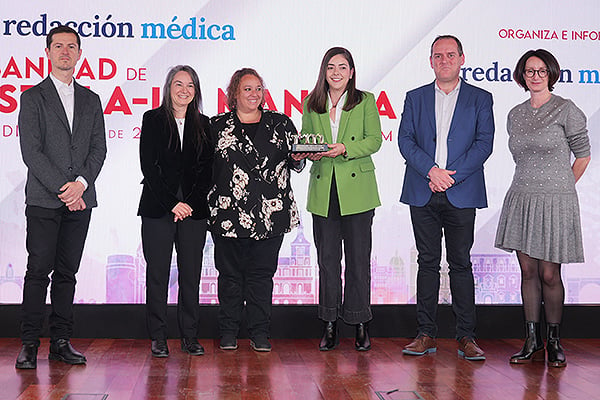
[61,29]
[548,59]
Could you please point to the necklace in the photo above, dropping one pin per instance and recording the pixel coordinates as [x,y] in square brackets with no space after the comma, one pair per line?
[334,105]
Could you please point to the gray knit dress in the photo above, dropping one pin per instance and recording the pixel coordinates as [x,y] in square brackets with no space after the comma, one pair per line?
[540,215]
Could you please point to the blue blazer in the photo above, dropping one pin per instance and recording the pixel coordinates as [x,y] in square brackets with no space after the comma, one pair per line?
[470,142]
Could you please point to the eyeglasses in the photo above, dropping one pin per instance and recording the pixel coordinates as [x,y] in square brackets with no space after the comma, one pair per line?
[530,73]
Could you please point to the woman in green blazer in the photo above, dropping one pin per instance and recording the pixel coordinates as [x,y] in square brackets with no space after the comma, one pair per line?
[342,193]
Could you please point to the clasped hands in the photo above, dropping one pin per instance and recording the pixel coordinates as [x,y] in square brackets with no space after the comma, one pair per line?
[440,179]
[335,149]
[181,211]
[71,193]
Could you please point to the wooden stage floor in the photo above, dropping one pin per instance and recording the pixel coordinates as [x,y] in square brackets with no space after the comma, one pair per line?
[122,369]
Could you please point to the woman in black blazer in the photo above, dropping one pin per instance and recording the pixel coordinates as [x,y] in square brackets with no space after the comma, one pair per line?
[176,161]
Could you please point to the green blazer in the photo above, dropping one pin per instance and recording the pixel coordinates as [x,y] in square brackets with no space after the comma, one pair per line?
[360,132]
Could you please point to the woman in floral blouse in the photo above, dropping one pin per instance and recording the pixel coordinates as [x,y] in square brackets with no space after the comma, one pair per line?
[251,206]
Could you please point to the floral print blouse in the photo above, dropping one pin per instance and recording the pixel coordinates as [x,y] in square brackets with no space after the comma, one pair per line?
[251,196]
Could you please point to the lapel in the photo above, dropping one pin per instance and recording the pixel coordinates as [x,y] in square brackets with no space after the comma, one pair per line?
[463,95]
[79,101]
[429,99]
[53,102]
[190,138]
[325,127]
[180,143]
[345,116]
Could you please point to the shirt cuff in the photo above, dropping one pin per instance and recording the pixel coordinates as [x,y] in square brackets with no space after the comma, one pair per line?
[82,180]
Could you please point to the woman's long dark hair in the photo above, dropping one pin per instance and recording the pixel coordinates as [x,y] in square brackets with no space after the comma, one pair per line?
[193,111]
[317,99]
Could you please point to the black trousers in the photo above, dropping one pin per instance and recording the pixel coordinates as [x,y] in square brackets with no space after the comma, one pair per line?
[436,219]
[158,237]
[55,240]
[355,233]
[246,269]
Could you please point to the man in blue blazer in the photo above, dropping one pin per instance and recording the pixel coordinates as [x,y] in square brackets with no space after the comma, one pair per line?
[446,134]
[61,127]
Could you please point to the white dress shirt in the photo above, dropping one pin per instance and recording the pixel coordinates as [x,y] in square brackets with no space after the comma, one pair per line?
[66,93]
[67,97]
[335,125]
[180,126]
[444,111]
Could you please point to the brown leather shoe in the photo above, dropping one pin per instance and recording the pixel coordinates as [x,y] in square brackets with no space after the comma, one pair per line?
[468,349]
[422,345]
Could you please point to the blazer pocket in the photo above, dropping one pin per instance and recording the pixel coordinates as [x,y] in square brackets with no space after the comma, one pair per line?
[367,166]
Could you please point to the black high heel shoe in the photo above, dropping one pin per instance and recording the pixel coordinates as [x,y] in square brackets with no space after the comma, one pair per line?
[362,342]
[330,339]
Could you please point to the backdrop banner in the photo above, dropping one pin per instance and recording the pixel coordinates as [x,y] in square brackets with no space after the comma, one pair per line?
[127,52]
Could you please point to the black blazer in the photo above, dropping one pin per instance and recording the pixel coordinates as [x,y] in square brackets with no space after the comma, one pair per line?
[171,174]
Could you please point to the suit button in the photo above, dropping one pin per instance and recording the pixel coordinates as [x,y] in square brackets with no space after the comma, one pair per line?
[73,147]
[353,175]
[70,168]
[352,138]
[318,176]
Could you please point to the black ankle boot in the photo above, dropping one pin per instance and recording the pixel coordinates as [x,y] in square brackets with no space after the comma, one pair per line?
[556,354]
[362,342]
[330,339]
[533,348]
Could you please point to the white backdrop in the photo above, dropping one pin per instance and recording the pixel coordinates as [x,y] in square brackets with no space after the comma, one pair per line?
[284,41]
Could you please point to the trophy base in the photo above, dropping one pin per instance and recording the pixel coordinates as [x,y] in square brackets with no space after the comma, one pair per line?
[309,148]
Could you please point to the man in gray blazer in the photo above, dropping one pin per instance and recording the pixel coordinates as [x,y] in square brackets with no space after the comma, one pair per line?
[63,145]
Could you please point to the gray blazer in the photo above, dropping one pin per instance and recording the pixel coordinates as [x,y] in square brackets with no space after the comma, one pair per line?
[51,153]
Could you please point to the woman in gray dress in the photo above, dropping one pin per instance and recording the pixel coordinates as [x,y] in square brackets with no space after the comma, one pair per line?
[540,216]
